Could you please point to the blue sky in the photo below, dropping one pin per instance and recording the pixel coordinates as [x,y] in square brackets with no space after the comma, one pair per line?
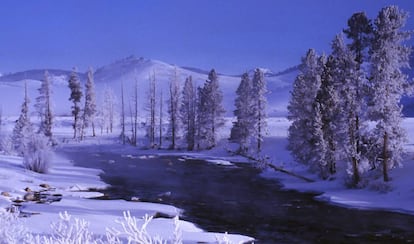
[229,35]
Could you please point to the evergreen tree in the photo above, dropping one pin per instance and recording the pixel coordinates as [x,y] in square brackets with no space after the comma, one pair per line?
[201,119]
[44,108]
[388,57]
[243,128]
[173,109]
[301,108]
[327,115]
[89,110]
[75,97]
[23,127]
[188,112]
[319,156]
[352,85]
[360,32]
[210,111]
[259,109]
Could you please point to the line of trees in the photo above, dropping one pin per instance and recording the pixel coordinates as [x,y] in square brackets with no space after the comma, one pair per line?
[90,115]
[194,114]
[345,107]
[250,125]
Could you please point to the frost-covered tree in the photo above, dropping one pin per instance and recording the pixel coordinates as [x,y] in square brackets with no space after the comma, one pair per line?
[89,111]
[210,111]
[44,107]
[123,133]
[133,107]
[75,97]
[259,107]
[188,112]
[151,105]
[23,127]
[33,147]
[351,89]
[301,108]
[318,159]
[327,117]
[360,32]
[243,128]
[160,118]
[388,83]
[173,109]
[108,109]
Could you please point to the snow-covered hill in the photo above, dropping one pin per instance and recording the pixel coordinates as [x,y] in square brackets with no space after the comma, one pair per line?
[128,70]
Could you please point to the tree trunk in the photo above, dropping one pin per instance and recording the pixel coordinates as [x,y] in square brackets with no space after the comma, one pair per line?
[355,176]
[75,125]
[259,131]
[160,139]
[385,158]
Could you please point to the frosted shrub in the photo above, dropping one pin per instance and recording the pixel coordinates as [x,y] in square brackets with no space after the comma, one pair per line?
[133,232]
[37,154]
[224,239]
[11,230]
[71,230]
[6,145]
[178,235]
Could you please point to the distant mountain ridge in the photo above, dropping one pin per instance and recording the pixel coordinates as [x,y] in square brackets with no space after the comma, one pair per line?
[133,69]
[36,74]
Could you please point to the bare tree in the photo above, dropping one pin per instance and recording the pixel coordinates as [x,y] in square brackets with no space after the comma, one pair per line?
[173,109]
[151,109]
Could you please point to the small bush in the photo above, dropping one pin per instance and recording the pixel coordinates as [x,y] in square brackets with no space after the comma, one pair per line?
[37,154]
[6,145]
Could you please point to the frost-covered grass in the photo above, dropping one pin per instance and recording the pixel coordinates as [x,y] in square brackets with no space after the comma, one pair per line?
[70,230]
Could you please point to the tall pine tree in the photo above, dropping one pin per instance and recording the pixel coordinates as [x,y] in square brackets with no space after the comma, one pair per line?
[301,108]
[75,97]
[44,107]
[259,107]
[23,128]
[210,111]
[188,112]
[351,89]
[89,110]
[388,56]
[327,112]
[243,128]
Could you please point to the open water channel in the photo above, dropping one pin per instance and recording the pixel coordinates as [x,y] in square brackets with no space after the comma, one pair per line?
[237,199]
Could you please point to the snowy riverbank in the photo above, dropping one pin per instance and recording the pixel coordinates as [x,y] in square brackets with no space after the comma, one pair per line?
[70,182]
[399,194]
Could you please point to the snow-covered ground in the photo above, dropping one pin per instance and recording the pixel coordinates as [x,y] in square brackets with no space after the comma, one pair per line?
[70,182]
[399,197]
[73,184]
